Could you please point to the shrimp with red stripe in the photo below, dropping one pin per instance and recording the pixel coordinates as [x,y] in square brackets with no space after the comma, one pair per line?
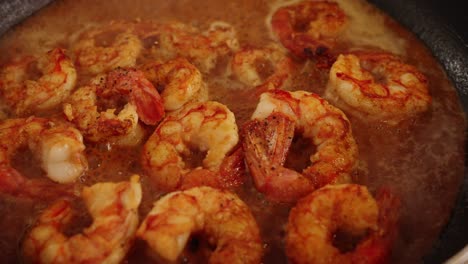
[377,86]
[279,116]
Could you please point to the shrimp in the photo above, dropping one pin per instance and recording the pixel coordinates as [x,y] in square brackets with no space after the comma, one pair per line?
[377,86]
[310,28]
[204,49]
[210,127]
[180,80]
[122,51]
[58,147]
[24,95]
[220,215]
[248,64]
[114,208]
[327,128]
[109,90]
[350,209]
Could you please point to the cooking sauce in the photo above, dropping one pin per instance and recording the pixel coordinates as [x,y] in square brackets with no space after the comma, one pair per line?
[422,159]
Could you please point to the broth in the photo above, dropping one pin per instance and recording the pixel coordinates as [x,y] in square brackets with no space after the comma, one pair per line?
[422,159]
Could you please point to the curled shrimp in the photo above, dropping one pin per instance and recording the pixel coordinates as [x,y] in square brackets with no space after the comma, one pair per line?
[123,50]
[348,209]
[220,215]
[377,86]
[180,81]
[209,127]
[58,147]
[107,91]
[24,95]
[264,68]
[202,48]
[114,208]
[309,28]
[318,121]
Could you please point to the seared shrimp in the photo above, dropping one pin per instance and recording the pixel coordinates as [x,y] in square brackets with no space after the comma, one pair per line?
[250,65]
[114,208]
[309,28]
[179,80]
[107,91]
[220,215]
[327,128]
[93,58]
[348,209]
[201,48]
[24,95]
[58,147]
[209,126]
[377,86]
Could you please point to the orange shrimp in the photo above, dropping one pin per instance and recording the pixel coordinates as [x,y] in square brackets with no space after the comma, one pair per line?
[208,126]
[180,81]
[24,95]
[248,64]
[109,90]
[114,208]
[349,209]
[202,48]
[57,147]
[220,215]
[310,28]
[123,51]
[377,86]
[318,121]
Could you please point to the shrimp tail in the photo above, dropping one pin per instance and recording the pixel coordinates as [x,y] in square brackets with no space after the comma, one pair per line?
[266,146]
[149,104]
[232,170]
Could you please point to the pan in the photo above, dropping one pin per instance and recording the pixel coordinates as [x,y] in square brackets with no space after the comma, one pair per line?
[438,29]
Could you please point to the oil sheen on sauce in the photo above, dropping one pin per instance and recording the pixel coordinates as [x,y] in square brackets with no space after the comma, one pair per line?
[421,160]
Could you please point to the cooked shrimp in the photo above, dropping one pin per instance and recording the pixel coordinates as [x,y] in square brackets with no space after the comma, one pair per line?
[203,49]
[209,126]
[123,50]
[350,209]
[180,81]
[58,147]
[377,86]
[220,215]
[309,28]
[114,208]
[326,126]
[266,144]
[249,64]
[109,90]
[24,95]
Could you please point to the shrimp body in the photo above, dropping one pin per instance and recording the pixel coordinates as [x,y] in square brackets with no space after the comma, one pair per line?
[202,48]
[209,127]
[58,147]
[309,28]
[313,117]
[377,86]
[181,82]
[221,216]
[123,50]
[346,208]
[248,63]
[114,208]
[129,85]
[24,95]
